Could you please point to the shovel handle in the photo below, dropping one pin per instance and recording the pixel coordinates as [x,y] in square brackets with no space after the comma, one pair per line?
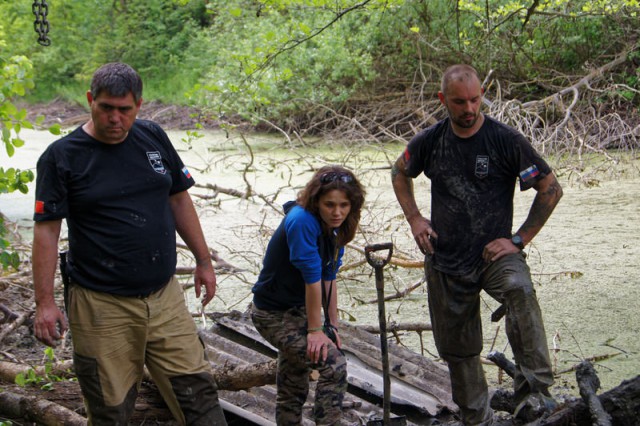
[378,262]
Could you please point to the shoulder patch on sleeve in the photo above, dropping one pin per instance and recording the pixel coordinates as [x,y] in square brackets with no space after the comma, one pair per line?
[39,209]
[530,173]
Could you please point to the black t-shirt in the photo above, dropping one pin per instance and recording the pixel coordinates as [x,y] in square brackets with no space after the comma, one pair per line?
[115,199]
[472,186]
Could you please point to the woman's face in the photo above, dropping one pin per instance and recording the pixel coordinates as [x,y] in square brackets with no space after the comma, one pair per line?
[334,207]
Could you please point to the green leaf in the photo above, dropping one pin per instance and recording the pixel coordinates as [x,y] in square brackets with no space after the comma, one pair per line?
[26,176]
[304,28]
[21,115]
[55,129]
[6,134]
[50,353]
[24,189]
[14,260]
[32,377]
[20,380]
[10,149]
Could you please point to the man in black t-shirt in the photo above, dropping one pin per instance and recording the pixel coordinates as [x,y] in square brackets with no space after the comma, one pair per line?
[122,189]
[473,162]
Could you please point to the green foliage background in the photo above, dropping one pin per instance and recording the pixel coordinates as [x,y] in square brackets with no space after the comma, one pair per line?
[270,58]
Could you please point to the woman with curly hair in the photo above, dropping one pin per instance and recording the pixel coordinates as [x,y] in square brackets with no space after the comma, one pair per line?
[295,298]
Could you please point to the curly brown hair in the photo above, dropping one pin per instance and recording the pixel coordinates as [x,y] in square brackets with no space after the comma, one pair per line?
[327,179]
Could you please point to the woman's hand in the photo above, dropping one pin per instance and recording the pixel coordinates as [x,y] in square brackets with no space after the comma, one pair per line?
[317,346]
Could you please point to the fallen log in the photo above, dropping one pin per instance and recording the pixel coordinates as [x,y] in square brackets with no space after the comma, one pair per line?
[41,410]
[247,376]
[228,378]
[10,370]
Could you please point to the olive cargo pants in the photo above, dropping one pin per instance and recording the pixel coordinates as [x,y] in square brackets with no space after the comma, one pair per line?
[454,307]
[115,336]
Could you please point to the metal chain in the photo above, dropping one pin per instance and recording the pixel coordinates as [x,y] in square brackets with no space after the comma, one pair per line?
[41,24]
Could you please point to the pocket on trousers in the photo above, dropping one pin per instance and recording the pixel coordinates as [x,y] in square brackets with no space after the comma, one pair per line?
[86,369]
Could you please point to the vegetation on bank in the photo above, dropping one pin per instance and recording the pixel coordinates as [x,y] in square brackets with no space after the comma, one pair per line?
[298,63]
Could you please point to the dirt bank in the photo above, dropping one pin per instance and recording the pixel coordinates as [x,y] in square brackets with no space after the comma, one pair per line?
[69,114]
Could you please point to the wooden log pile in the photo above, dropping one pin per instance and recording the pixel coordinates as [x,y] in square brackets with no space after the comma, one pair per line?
[619,406]
[63,404]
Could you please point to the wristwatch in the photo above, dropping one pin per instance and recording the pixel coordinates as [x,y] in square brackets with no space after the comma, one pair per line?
[516,240]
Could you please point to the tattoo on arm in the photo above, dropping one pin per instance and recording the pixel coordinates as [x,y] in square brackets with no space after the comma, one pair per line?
[395,170]
[542,207]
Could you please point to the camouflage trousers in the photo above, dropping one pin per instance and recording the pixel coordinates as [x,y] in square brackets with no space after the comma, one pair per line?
[287,331]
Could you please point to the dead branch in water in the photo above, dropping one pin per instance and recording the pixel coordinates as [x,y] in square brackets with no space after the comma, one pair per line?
[396,327]
[221,265]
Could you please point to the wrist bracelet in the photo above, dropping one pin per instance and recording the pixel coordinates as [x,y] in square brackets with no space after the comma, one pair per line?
[313,330]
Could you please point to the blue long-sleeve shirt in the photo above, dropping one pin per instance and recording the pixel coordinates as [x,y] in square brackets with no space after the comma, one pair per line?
[293,259]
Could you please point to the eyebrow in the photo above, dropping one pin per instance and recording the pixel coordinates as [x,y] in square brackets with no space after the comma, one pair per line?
[107,105]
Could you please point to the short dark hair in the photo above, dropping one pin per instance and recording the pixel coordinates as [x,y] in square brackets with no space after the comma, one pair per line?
[460,72]
[117,79]
[325,180]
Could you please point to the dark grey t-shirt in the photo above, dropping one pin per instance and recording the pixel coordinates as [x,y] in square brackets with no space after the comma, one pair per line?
[472,186]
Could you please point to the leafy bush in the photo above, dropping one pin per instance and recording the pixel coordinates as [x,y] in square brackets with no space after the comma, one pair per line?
[46,380]
[16,78]
[273,58]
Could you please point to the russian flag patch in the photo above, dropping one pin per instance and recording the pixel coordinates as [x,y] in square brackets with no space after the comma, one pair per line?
[186,172]
[39,207]
[530,173]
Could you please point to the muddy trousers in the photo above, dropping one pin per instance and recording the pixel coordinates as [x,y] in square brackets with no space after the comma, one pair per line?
[114,337]
[287,331]
[454,307]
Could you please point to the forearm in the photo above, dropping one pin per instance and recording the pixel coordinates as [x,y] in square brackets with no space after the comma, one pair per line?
[313,304]
[403,188]
[44,258]
[333,303]
[549,193]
